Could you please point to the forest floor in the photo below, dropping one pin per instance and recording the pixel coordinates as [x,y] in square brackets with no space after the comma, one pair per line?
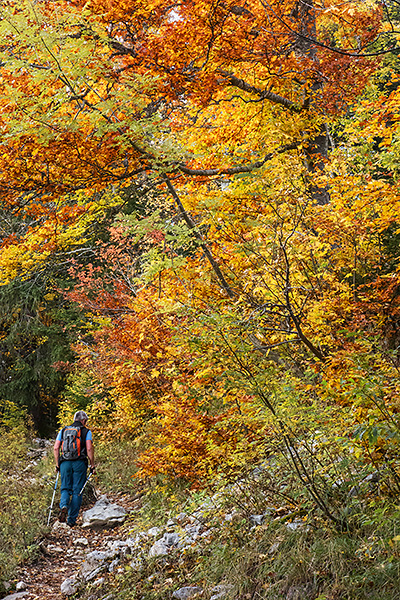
[284,555]
[63,550]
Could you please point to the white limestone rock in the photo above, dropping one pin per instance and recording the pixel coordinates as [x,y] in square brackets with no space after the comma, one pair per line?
[103,515]
[70,586]
[81,542]
[220,591]
[187,592]
[165,544]
[94,563]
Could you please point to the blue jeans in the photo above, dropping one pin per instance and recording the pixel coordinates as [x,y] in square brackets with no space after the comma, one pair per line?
[73,477]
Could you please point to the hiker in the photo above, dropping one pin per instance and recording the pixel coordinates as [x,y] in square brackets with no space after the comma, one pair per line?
[72,450]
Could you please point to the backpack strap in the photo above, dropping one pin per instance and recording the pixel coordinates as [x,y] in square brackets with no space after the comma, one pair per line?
[84,432]
[60,457]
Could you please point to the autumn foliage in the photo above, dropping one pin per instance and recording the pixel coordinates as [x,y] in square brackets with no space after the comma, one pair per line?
[219,182]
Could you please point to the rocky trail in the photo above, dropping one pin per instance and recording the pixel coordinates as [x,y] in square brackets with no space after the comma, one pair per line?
[86,561]
[63,551]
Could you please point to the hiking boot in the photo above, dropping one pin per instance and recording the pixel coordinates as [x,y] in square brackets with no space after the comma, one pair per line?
[71,524]
[62,517]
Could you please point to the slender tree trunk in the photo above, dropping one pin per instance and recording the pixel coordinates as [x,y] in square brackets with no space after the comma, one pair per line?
[317,148]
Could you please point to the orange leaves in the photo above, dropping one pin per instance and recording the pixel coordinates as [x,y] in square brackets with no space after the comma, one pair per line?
[192,46]
[189,443]
[109,97]
[202,84]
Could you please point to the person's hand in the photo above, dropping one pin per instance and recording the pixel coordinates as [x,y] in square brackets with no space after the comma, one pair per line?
[92,470]
[57,469]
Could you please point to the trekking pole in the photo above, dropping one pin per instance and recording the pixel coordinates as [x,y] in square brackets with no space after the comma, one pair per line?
[87,479]
[52,501]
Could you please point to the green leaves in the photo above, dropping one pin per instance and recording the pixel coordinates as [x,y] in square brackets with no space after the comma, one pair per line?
[372,433]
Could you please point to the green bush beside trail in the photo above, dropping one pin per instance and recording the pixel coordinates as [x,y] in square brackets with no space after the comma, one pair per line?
[24,496]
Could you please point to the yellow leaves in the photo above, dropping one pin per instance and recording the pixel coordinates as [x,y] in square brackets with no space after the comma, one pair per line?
[360,204]
[18,259]
[206,373]
[260,293]
[176,386]
[177,356]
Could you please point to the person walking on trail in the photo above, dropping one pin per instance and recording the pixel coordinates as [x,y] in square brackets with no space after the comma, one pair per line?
[73,450]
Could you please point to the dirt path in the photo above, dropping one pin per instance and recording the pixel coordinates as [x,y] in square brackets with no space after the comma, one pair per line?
[63,551]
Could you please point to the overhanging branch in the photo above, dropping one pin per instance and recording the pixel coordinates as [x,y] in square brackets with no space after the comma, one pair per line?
[239,168]
[262,94]
[192,226]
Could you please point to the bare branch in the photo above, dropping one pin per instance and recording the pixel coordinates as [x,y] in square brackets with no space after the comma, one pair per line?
[294,317]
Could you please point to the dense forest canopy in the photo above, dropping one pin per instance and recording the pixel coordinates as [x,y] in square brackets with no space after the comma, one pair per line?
[199,231]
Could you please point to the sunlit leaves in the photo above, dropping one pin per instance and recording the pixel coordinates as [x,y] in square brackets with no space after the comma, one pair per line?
[243,303]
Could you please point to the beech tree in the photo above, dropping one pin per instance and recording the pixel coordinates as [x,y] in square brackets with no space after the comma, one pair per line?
[100,94]
[256,297]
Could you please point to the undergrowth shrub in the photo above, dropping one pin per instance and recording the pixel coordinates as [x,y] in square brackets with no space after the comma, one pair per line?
[295,553]
[116,465]
[24,497]
[284,557]
[312,561]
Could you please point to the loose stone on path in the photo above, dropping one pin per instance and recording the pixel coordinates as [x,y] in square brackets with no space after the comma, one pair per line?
[16,596]
[103,515]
